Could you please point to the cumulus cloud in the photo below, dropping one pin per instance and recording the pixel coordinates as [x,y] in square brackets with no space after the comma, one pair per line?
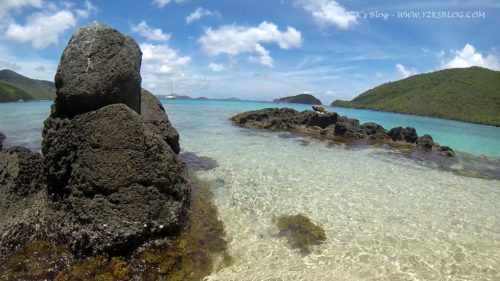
[6,5]
[163,3]
[44,28]
[199,13]
[154,34]
[160,62]
[216,67]
[403,72]
[468,57]
[328,12]
[233,40]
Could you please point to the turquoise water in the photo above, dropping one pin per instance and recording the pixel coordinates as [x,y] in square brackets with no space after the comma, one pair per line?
[385,217]
[22,123]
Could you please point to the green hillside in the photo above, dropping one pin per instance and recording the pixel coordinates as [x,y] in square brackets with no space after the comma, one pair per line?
[9,93]
[38,89]
[464,94]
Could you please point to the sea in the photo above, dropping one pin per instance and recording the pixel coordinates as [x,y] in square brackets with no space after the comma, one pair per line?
[386,215]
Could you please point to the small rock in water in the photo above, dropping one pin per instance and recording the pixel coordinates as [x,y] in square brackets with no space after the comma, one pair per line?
[300,231]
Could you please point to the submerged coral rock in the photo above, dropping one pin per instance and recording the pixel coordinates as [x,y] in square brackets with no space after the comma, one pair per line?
[300,231]
[120,183]
[99,66]
[156,120]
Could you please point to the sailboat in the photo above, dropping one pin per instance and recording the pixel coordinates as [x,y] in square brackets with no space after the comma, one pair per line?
[20,99]
[171,96]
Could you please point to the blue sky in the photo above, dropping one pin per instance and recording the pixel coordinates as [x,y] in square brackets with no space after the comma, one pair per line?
[261,50]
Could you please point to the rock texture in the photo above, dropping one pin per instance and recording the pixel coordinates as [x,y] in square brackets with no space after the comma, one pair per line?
[330,125]
[2,138]
[22,197]
[156,120]
[110,178]
[99,66]
[302,98]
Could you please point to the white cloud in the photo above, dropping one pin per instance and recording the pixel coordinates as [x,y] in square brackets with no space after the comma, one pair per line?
[6,5]
[216,67]
[154,34]
[468,57]
[328,12]
[160,65]
[88,9]
[163,3]
[198,14]
[233,40]
[44,28]
[403,72]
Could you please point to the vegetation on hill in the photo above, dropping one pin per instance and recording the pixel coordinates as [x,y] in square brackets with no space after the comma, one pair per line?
[464,94]
[301,98]
[37,89]
[9,93]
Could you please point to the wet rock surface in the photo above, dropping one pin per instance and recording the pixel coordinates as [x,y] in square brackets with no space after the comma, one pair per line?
[331,126]
[98,67]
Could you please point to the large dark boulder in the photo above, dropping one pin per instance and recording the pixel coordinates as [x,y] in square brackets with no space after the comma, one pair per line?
[156,120]
[2,138]
[99,66]
[119,183]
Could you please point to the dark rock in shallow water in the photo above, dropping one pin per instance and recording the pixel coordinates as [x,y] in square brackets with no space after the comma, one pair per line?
[99,66]
[323,120]
[408,134]
[120,183]
[2,138]
[425,142]
[331,126]
[446,151]
[156,120]
[198,163]
[301,232]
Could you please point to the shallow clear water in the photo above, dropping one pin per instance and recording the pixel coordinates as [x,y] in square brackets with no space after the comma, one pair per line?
[385,217]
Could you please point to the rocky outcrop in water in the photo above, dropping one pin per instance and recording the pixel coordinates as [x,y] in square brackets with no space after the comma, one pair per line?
[330,125]
[110,178]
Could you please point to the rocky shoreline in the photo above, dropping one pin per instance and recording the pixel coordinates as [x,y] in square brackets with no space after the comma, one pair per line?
[109,181]
[322,124]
